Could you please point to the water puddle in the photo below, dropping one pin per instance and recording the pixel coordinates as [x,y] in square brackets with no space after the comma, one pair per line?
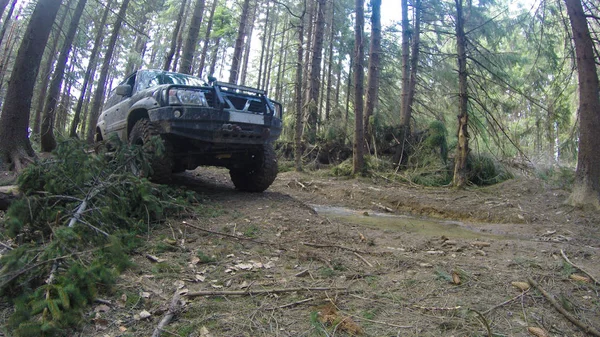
[405,223]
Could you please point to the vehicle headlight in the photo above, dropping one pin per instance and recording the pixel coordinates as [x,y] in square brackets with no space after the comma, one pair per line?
[187,97]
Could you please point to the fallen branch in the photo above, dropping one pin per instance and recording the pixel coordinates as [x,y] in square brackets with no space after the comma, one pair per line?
[586,328]
[174,308]
[258,292]
[578,267]
[505,302]
[227,235]
[334,246]
[437,308]
[363,259]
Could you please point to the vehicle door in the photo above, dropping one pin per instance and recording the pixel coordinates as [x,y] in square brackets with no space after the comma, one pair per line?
[115,115]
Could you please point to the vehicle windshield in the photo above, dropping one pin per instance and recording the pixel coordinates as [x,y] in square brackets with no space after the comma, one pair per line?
[152,78]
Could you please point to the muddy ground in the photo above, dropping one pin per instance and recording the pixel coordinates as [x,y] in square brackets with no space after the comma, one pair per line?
[376,258]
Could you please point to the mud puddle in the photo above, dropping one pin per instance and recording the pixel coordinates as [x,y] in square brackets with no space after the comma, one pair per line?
[409,224]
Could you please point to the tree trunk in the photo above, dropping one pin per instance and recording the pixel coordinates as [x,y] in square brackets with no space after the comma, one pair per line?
[414,62]
[207,38]
[271,44]
[6,22]
[263,48]
[213,57]
[173,46]
[315,74]
[298,95]
[91,69]
[3,4]
[374,61]
[44,77]
[48,142]
[187,56]
[239,44]
[99,93]
[359,75]
[14,121]
[283,48]
[330,63]
[249,30]
[586,189]
[462,147]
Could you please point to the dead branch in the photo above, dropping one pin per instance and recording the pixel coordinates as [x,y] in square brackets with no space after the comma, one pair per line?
[505,302]
[578,267]
[437,308]
[227,235]
[174,308]
[259,292]
[363,259]
[334,246]
[586,328]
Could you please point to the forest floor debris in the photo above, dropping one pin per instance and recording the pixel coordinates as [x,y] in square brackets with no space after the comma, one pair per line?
[366,279]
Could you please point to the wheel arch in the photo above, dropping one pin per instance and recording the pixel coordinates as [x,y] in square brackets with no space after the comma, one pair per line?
[134,116]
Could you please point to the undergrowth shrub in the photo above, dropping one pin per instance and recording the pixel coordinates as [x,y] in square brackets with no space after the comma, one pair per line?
[485,170]
[81,214]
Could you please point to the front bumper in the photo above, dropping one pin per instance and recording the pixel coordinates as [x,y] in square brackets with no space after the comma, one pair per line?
[216,125]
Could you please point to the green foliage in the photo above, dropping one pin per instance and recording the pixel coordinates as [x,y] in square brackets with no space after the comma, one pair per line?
[560,176]
[372,164]
[61,265]
[484,170]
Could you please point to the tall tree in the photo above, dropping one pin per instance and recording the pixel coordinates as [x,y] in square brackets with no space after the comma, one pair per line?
[8,18]
[462,147]
[90,70]
[315,74]
[298,125]
[359,74]
[15,148]
[173,46]
[48,142]
[207,38]
[239,44]
[189,48]
[586,189]
[374,61]
[100,89]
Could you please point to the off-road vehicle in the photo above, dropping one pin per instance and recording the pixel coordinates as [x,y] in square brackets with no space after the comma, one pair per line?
[211,124]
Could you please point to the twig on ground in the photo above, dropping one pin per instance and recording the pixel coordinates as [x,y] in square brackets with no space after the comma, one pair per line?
[292,304]
[484,321]
[586,328]
[363,259]
[259,292]
[505,302]
[436,308]
[5,245]
[564,256]
[227,235]
[174,308]
[334,246]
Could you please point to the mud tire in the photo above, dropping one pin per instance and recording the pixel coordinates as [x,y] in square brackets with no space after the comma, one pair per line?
[161,166]
[259,172]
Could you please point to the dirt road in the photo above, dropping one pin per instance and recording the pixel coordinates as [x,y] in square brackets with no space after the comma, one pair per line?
[376,259]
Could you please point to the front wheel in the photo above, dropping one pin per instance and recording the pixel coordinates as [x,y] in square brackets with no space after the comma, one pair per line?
[160,163]
[258,173]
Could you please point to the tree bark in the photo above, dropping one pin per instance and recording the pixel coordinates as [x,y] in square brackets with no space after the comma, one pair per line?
[99,92]
[15,147]
[359,75]
[48,142]
[374,61]
[3,4]
[462,147]
[44,76]
[263,48]
[207,38]
[239,44]
[586,189]
[249,30]
[189,48]
[330,63]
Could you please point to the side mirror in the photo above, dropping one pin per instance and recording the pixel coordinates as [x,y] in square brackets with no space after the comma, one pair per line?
[123,90]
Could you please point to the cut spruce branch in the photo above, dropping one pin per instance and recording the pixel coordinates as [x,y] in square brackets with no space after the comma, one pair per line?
[260,292]
[586,328]
[505,302]
[564,256]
